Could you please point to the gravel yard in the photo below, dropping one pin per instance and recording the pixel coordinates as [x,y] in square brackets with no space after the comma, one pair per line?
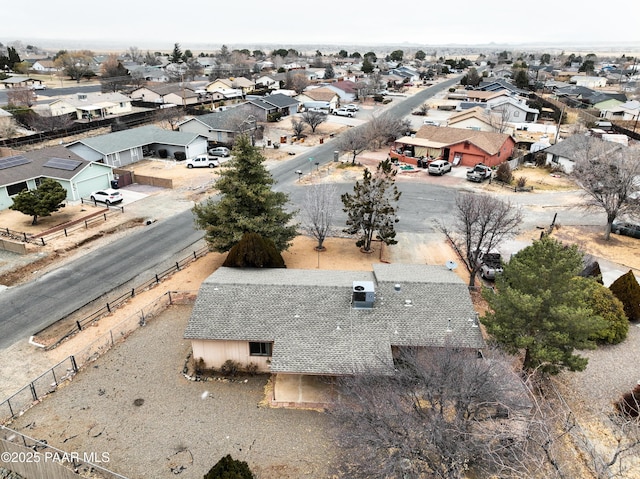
[180,423]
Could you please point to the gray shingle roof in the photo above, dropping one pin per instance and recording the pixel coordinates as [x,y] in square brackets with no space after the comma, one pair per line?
[135,137]
[574,147]
[35,168]
[308,314]
[279,100]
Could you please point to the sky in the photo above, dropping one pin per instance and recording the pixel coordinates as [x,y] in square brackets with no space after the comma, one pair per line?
[194,25]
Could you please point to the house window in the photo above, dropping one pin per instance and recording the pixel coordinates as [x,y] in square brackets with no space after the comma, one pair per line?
[260,349]
[38,181]
[16,188]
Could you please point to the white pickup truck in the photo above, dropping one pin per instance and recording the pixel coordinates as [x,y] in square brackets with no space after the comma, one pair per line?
[202,161]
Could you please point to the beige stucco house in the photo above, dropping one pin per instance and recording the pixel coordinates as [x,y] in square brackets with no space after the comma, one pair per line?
[308,326]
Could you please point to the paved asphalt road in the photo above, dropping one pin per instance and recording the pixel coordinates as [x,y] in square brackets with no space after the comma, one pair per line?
[28,308]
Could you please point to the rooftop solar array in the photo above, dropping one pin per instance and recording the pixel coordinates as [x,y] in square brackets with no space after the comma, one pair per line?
[62,164]
[12,161]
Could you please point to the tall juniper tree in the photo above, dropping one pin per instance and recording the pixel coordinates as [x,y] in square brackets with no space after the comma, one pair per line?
[247,204]
[370,209]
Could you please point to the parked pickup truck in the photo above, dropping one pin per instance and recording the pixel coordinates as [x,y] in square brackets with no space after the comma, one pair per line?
[490,265]
[479,173]
[202,161]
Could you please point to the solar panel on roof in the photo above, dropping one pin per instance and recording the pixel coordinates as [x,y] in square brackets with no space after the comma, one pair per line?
[12,161]
[63,164]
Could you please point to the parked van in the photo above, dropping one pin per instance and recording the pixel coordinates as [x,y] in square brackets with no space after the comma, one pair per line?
[202,161]
[439,167]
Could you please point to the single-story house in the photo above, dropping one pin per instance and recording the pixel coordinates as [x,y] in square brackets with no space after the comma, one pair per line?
[25,171]
[588,81]
[219,127]
[172,93]
[347,90]
[565,153]
[272,81]
[87,106]
[128,146]
[265,106]
[628,111]
[458,146]
[475,118]
[308,326]
[322,94]
[44,66]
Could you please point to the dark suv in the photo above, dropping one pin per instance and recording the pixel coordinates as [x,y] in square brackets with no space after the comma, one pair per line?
[627,229]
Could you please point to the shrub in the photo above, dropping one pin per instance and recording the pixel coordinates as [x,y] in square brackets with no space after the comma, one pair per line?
[627,290]
[503,173]
[629,404]
[163,153]
[521,182]
[230,468]
[378,98]
[230,367]
[254,251]
[252,369]
[180,155]
[605,305]
[452,90]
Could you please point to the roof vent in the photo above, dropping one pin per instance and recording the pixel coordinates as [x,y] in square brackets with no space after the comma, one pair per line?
[363,294]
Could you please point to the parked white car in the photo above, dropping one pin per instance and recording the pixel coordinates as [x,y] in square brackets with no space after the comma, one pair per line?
[202,161]
[107,196]
[439,167]
[431,122]
[342,111]
[352,107]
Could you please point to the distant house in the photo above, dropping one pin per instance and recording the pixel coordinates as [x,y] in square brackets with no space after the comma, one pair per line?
[320,94]
[125,147]
[497,84]
[26,170]
[588,81]
[219,127]
[44,66]
[565,153]
[272,81]
[87,106]
[262,108]
[628,111]
[307,326]
[475,118]
[458,146]
[166,93]
[481,96]
[513,110]
[242,84]
[347,90]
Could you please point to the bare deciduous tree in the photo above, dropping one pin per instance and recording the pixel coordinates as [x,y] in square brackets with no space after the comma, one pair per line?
[437,414]
[21,96]
[608,175]
[424,109]
[480,223]
[45,121]
[169,117]
[313,119]
[384,128]
[354,141]
[321,203]
[298,82]
[498,119]
[298,127]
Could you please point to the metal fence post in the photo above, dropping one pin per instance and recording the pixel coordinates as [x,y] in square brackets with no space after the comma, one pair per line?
[33,391]
[73,364]
[53,373]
